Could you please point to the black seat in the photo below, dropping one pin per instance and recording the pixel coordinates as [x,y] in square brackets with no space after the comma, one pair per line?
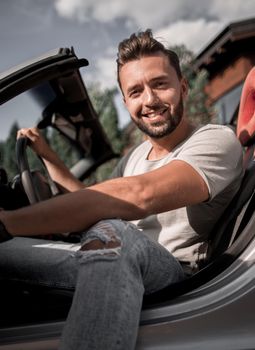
[226,230]
[233,219]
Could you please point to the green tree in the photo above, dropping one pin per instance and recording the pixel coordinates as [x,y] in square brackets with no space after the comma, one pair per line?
[1,153]
[197,103]
[103,102]
[8,155]
[65,150]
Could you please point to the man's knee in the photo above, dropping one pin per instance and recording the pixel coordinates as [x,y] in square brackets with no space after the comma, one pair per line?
[102,239]
[97,244]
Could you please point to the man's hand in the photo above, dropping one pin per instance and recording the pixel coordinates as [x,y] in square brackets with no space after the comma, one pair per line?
[37,142]
[59,173]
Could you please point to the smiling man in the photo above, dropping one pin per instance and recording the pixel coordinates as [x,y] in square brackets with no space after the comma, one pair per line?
[153,94]
[173,188]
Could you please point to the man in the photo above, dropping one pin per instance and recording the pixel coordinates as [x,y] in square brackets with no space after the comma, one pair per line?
[173,187]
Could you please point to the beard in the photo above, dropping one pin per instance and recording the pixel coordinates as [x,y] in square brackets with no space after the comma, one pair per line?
[163,128]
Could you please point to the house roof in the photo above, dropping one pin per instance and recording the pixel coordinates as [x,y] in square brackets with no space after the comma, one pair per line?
[241,31]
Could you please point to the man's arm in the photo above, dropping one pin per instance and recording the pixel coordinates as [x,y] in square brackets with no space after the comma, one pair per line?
[170,187]
[57,169]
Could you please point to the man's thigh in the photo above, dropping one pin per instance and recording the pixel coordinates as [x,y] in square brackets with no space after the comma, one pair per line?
[39,261]
[137,252]
[56,263]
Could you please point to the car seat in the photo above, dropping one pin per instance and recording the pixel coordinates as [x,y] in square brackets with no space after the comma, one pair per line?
[236,215]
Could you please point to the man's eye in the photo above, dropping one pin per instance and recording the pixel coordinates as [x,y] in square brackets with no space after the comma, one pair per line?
[134,93]
[160,84]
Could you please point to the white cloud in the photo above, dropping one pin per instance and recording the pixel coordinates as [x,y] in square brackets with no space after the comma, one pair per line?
[69,9]
[142,13]
[101,10]
[151,13]
[230,10]
[194,34]
[192,22]
[104,72]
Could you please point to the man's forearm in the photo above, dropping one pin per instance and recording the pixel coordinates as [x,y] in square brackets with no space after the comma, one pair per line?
[61,174]
[68,213]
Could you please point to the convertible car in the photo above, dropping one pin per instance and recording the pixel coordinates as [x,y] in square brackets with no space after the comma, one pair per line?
[213,309]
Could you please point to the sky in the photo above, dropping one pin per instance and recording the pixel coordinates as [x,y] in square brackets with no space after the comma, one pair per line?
[29,28]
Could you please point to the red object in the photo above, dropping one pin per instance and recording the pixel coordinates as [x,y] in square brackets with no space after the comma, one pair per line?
[246,116]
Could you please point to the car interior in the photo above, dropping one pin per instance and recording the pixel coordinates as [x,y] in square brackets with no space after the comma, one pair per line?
[23,304]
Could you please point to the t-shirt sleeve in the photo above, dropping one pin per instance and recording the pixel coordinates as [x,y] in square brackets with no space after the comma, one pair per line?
[216,154]
[118,171]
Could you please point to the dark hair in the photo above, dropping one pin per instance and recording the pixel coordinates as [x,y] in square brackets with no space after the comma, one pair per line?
[143,44]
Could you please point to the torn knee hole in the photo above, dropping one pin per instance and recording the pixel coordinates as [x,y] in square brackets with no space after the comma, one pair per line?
[98,245]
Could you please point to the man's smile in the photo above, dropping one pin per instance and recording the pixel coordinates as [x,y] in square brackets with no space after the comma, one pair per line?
[155,114]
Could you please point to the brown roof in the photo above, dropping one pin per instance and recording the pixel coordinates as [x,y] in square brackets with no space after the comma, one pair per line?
[241,32]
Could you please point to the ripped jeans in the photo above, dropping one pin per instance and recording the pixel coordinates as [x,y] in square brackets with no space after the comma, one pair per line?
[111,268]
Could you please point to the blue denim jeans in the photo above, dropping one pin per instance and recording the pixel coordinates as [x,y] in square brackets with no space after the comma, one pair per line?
[111,268]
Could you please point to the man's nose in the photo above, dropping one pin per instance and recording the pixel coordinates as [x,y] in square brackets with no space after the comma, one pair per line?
[150,97]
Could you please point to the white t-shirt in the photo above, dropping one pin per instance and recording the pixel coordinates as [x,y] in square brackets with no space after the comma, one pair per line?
[216,154]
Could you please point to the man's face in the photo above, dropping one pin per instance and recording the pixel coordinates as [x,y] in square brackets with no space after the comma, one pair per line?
[153,94]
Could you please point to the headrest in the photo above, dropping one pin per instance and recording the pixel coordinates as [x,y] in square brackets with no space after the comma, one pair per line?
[246,116]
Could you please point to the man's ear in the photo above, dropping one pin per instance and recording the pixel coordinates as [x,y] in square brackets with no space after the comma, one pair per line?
[184,87]
[121,92]
[124,100]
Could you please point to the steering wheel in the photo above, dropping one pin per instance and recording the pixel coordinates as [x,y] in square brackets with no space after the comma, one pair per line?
[36,186]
